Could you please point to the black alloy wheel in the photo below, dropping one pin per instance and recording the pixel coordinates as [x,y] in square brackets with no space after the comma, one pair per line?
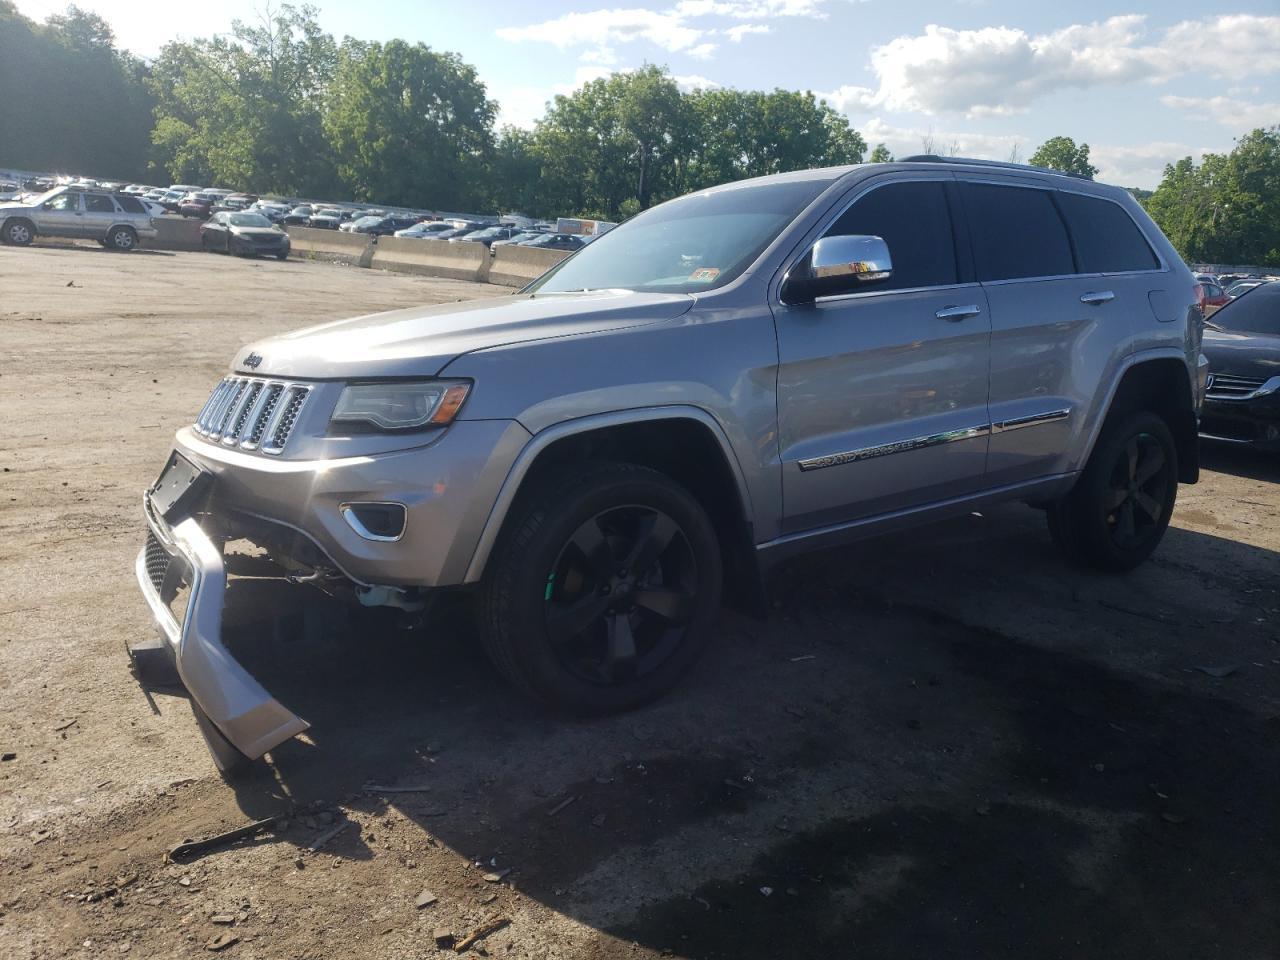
[1137,491]
[1119,509]
[620,595]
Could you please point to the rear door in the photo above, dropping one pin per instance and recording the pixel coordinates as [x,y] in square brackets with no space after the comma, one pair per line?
[99,214]
[1059,323]
[882,394]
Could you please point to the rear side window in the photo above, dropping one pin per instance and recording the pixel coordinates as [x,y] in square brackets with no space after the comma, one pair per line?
[914,220]
[96,203]
[130,205]
[1016,233]
[1107,239]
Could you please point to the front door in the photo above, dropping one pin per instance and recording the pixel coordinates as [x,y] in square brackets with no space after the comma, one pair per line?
[61,216]
[882,394]
[99,215]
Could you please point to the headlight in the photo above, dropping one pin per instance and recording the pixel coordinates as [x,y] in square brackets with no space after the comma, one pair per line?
[401,405]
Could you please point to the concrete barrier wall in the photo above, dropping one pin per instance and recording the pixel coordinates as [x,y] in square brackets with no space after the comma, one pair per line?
[432,258]
[515,266]
[354,248]
[175,233]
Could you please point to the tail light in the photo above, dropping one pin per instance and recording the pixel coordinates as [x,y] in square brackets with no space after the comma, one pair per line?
[1199,294]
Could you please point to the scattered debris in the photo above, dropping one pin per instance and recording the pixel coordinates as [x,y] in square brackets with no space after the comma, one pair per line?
[112,890]
[1172,818]
[189,847]
[1100,768]
[443,937]
[496,876]
[560,806]
[598,820]
[479,933]
[328,835]
[489,899]
[66,724]
[223,919]
[766,891]
[1219,672]
[5,757]
[425,899]
[982,809]
[807,656]
[222,941]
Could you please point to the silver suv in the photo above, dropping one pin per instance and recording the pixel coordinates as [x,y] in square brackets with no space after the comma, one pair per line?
[116,220]
[723,381]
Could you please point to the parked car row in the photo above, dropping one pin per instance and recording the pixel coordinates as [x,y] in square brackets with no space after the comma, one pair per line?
[1242,343]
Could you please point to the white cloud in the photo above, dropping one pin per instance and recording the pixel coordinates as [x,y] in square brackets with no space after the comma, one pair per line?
[1002,70]
[523,106]
[1227,111]
[695,81]
[604,28]
[676,30]
[741,30]
[1142,165]
[851,99]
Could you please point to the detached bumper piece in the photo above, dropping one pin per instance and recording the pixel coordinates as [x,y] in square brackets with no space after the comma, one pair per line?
[182,577]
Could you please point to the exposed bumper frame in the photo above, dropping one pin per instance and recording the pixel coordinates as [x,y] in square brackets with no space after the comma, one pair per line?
[249,717]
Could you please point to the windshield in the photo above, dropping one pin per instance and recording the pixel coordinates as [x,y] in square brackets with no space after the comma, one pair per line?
[1255,311]
[249,220]
[697,242]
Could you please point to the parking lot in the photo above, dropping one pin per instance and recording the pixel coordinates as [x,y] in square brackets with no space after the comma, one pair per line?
[948,743]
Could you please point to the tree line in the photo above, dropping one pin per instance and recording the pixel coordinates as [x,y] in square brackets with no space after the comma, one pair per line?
[281,107]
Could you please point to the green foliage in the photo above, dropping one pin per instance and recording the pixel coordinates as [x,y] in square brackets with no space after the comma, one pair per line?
[1226,209]
[249,108]
[880,154]
[1061,153]
[69,100]
[409,125]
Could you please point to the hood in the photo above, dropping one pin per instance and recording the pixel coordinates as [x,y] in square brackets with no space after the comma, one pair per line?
[1242,354]
[421,341]
[257,233]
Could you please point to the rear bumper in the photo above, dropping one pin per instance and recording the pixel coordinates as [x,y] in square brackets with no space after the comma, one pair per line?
[249,717]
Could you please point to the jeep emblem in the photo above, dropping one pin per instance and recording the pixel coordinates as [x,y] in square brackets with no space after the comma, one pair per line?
[252,361]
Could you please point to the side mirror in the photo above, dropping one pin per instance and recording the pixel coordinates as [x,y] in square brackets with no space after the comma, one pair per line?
[838,265]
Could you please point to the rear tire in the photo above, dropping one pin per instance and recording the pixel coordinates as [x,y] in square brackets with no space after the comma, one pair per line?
[19,232]
[122,239]
[602,593]
[1119,509]
[226,757]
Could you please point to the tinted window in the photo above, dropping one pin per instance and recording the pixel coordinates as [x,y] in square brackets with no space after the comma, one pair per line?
[1255,311]
[130,205]
[913,219]
[1107,239]
[96,203]
[1016,232]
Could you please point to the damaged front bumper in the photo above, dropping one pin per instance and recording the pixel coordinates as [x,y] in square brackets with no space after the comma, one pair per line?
[183,578]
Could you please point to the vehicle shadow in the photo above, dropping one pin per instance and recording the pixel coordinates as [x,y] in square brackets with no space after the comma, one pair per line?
[90,246]
[1240,460]
[914,754]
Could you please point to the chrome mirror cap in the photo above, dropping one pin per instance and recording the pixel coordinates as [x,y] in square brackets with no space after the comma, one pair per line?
[863,258]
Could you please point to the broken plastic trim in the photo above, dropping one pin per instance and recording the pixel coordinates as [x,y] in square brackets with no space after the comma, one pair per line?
[247,715]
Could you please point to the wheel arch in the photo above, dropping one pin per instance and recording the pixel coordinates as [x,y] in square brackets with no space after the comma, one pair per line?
[1160,382]
[683,442]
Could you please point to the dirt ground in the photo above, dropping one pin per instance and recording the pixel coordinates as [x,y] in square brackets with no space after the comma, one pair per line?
[944,744]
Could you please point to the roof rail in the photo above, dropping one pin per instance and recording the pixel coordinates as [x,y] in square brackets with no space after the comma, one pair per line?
[934,158]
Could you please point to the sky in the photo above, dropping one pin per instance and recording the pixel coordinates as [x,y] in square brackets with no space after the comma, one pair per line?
[1143,83]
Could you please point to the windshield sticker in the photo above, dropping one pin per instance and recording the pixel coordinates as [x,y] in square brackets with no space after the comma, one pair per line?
[704,274]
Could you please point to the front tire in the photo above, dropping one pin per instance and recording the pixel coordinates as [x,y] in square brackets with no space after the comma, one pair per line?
[1119,509]
[19,233]
[601,596]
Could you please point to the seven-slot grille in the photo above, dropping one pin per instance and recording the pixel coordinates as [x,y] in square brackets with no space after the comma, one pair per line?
[1222,387]
[252,413]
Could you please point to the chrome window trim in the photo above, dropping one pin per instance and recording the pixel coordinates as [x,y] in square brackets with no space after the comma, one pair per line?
[863,294]
[934,439]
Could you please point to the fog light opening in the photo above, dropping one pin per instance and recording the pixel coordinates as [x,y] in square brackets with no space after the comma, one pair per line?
[375,521]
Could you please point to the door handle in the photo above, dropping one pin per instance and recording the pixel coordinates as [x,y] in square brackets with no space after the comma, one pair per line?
[956,314]
[1097,297]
